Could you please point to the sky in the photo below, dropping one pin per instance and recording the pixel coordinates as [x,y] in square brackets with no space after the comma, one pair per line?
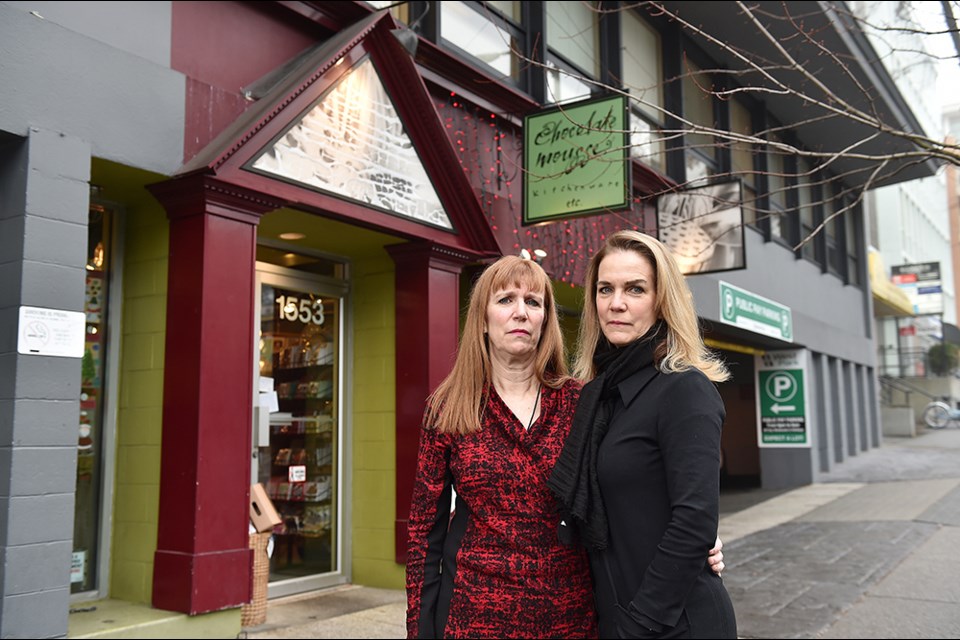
[948,78]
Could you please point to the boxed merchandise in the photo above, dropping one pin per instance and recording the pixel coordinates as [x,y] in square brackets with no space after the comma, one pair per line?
[263,515]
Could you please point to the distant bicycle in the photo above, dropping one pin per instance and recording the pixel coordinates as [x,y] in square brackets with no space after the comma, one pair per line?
[939,414]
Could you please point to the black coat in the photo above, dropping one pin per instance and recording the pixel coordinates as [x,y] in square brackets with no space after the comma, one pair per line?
[659,474]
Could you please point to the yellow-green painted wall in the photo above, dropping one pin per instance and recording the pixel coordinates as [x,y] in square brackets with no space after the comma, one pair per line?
[371,486]
[374,417]
[140,410]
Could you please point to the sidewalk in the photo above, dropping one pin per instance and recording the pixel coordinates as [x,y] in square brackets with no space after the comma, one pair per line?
[868,552]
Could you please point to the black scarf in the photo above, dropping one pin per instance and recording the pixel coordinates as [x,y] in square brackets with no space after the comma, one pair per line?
[574,477]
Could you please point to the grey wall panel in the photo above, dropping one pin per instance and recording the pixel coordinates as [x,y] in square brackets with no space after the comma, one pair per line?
[41,519]
[828,315]
[6,467]
[140,28]
[863,439]
[41,471]
[30,569]
[41,614]
[53,286]
[11,239]
[54,241]
[130,109]
[874,426]
[38,453]
[13,169]
[820,407]
[785,467]
[838,404]
[851,403]
[41,423]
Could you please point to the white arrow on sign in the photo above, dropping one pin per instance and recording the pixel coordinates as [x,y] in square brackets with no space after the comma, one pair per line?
[777,408]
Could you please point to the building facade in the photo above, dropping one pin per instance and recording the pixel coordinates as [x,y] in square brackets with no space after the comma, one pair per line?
[909,221]
[238,236]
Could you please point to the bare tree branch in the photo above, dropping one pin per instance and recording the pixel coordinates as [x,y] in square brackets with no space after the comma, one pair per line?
[774,70]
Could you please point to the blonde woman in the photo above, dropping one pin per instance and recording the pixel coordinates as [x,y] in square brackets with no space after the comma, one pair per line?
[639,474]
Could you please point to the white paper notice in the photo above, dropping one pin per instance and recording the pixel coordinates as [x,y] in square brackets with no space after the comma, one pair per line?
[51,332]
[266,384]
[297,473]
[271,401]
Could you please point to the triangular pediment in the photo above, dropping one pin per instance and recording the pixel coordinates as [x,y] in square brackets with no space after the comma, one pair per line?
[352,143]
[352,123]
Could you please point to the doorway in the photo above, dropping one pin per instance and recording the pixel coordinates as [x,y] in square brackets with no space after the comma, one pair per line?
[298,430]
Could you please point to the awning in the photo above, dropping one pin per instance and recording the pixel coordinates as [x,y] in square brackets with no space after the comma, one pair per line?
[888,300]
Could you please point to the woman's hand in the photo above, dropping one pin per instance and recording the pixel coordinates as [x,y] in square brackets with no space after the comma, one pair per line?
[715,559]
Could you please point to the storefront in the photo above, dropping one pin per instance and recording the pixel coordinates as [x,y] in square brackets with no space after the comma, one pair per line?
[271,288]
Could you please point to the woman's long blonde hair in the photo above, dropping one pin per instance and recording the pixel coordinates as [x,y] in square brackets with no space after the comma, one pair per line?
[457,403]
[683,347]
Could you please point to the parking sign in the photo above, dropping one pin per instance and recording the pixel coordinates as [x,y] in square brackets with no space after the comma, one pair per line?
[782,399]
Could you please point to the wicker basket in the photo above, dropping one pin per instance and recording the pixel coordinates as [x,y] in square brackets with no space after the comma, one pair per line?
[255,612]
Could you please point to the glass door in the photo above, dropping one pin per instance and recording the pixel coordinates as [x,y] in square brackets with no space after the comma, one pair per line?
[298,447]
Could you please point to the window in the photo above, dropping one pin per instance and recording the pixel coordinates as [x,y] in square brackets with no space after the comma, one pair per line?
[778,183]
[92,429]
[807,212]
[486,33]
[700,148]
[572,35]
[836,254]
[853,246]
[742,159]
[399,11]
[642,66]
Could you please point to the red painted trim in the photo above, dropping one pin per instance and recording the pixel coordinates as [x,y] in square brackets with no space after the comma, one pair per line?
[203,561]
[330,206]
[427,330]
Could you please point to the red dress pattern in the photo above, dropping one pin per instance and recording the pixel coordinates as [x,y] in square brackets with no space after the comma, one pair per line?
[496,569]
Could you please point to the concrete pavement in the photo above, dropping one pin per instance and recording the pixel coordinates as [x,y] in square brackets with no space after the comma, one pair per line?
[868,552]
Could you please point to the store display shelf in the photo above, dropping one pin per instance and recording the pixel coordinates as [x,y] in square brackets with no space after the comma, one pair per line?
[301,426]
[321,471]
[302,499]
[322,533]
[301,367]
[319,490]
[328,396]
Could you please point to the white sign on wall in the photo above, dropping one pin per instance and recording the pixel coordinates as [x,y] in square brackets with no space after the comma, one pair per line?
[921,282]
[51,332]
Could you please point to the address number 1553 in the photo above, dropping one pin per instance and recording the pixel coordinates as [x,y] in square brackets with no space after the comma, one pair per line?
[303,310]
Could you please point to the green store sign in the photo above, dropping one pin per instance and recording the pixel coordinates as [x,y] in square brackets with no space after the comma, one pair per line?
[576,160]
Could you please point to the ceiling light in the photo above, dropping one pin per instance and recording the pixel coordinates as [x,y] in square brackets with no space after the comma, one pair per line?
[292,235]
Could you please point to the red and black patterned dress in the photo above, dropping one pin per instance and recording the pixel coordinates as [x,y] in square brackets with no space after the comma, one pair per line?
[496,569]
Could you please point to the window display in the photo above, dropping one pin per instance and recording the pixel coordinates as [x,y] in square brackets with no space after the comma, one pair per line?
[86,529]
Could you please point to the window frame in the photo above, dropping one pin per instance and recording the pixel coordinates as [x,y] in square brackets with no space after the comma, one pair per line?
[499,21]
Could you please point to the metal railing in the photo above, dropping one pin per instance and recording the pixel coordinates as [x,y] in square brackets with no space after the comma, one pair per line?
[890,386]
